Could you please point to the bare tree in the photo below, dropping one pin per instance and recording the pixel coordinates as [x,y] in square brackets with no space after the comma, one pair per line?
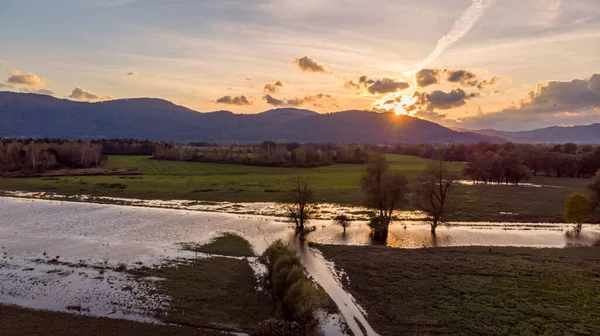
[432,190]
[300,210]
[384,192]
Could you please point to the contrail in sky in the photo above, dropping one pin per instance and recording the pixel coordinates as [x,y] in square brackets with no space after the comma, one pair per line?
[460,28]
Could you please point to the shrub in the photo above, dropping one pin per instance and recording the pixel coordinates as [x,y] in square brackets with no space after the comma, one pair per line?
[295,293]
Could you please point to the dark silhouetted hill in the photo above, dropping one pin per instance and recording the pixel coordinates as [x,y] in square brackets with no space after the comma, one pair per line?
[588,134]
[33,115]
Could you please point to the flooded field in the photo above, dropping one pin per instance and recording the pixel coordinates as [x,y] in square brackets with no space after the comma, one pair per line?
[63,255]
[271,209]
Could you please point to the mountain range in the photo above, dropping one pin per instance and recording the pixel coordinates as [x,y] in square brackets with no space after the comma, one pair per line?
[588,134]
[24,115]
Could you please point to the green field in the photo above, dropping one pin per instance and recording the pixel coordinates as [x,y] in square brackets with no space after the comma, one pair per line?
[474,290]
[215,182]
[335,184]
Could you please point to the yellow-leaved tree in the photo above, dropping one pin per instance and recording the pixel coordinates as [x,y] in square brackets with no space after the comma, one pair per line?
[578,210]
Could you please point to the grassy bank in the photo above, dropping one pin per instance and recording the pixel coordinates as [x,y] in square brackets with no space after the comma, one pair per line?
[216,292]
[16,321]
[335,184]
[474,291]
[228,244]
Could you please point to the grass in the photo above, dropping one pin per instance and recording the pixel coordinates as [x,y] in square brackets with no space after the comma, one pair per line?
[199,181]
[528,204]
[228,244]
[16,321]
[216,292]
[474,290]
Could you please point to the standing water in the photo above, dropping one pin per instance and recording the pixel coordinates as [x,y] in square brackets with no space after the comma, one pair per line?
[90,234]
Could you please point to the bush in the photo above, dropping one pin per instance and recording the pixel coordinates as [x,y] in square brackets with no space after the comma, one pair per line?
[288,283]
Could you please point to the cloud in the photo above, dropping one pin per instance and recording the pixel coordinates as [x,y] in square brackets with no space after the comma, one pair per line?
[464,77]
[426,77]
[555,102]
[294,101]
[495,80]
[363,82]
[18,78]
[387,85]
[307,64]
[274,101]
[132,73]
[440,100]
[380,86]
[273,88]
[234,100]
[85,95]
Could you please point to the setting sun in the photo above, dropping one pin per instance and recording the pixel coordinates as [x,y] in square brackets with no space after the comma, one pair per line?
[401,105]
[400,110]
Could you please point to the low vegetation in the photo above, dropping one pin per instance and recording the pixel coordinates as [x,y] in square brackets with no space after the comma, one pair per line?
[17,321]
[474,290]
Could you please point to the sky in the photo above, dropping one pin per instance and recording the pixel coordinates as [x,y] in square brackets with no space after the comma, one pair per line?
[502,64]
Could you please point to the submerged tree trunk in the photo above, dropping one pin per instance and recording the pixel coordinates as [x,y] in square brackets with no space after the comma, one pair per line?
[380,235]
[578,229]
[380,231]
[434,224]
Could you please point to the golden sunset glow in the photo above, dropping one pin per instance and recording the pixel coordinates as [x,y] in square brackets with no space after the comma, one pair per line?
[400,110]
[399,104]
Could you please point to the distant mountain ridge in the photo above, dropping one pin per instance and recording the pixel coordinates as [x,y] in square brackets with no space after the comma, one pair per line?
[585,134]
[36,116]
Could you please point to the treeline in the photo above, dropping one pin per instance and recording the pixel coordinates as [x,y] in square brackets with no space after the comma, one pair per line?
[268,154]
[129,146]
[510,162]
[44,154]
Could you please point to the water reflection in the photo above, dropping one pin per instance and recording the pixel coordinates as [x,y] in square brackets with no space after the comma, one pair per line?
[415,234]
[522,184]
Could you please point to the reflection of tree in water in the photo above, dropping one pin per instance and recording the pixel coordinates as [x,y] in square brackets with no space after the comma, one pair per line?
[406,238]
[343,238]
[573,234]
[576,238]
[434,240]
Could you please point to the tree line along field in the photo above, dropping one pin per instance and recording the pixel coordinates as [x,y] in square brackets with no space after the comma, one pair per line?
[338,183]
